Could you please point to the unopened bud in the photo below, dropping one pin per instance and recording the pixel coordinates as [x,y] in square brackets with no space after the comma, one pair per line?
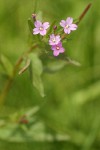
[55,27]
[34,17]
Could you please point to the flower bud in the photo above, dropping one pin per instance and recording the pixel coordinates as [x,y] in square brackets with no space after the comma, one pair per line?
[34,17]
[55,27]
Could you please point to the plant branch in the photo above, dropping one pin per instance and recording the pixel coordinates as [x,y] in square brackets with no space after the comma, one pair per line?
[84,12]
[11,79]
[80,17]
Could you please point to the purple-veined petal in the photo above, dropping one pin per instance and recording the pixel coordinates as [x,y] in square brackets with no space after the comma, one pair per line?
[46,25]
[63,23]
[38,24]
[69,21]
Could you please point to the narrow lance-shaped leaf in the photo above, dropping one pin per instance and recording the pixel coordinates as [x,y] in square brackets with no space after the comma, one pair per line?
[68,60]
[55,66]
[73,62]
[36,72]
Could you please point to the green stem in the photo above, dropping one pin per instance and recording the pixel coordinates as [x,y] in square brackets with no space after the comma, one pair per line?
[9,82]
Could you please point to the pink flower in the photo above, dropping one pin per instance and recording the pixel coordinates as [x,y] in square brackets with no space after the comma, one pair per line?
[40,28]
[68,25]
[57,49]
[54,39]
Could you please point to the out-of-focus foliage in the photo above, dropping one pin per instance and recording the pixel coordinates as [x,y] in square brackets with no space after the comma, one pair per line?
[68,116]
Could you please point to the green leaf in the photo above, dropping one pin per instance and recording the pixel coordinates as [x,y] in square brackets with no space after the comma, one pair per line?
[73,62]
[6,65]
[36,72]
[55,66]
[31,25]
[39,16]
[59,64]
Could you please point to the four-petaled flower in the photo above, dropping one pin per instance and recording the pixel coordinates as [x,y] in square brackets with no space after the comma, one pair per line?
[57,49]
[54,39]
[40,28]
[68,25]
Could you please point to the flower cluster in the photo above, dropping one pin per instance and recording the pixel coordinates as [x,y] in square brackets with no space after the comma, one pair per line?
[55,40]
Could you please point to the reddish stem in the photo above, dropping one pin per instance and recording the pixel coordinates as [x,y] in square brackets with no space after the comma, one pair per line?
[84,12]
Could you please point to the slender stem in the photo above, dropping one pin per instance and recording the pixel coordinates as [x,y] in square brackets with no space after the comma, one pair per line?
[84,12]
[80,17]
[9,82]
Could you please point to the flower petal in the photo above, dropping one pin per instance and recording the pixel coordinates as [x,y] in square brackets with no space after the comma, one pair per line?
[54,39]
[73,27]
[62,50]
[55,53]
[53,47]
[35,31]
[69,21]
[52,36]
[66,30]
[60,44]
[63,23]
[38,24]
[43,32]
[69,31]
[58,39]
[46,25]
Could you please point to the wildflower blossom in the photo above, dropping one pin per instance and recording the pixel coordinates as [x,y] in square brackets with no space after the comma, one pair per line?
[40,28]
[57,49]
[54,39]
[68,25]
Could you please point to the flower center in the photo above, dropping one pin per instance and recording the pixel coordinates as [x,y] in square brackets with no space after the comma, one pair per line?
[67,26]
[57,47]
[41,28]
[54,40]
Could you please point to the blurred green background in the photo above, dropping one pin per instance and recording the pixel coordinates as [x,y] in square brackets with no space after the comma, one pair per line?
[67,118]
